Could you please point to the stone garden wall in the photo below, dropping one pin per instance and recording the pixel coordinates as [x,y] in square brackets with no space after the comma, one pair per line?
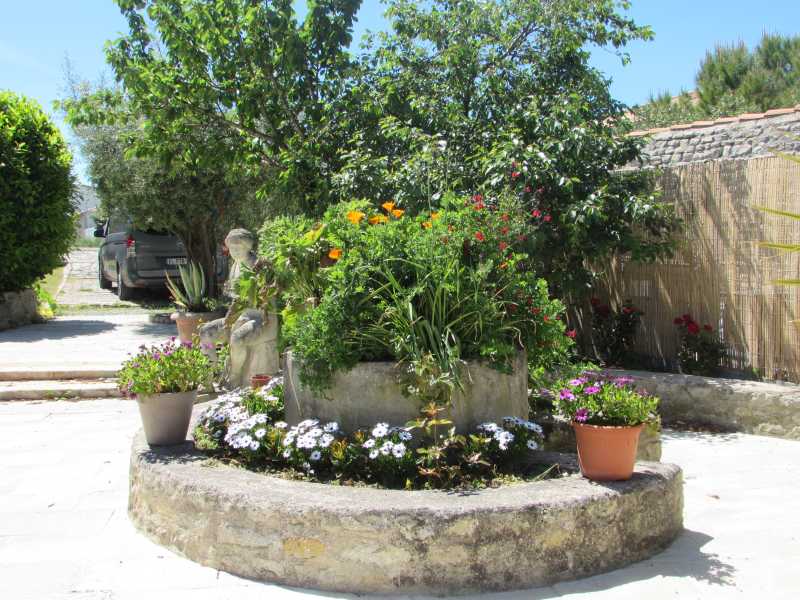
[18,308]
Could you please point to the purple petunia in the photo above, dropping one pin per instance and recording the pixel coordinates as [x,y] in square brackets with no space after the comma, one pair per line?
[566,394]
[592,389]
[582,415]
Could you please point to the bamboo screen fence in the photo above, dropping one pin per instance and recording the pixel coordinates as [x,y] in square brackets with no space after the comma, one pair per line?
[720,274]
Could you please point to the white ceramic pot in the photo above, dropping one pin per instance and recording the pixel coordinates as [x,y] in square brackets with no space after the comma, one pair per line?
[166,417]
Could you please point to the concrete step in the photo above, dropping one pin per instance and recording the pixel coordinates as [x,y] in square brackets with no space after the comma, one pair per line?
[47,374]
[71,389]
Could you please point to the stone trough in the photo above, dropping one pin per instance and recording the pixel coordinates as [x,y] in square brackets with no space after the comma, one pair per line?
[366,540]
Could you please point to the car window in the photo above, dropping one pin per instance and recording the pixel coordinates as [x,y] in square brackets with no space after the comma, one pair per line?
[117,225]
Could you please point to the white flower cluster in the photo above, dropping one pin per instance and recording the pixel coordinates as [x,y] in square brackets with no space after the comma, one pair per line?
[309,437]
[245,434]
[378,445]
[505,436]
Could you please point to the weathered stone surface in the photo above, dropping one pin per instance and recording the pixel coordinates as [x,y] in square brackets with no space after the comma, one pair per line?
[560,437]
[372,393]
[736,140]
[18,308]
[364,540]
[733,404]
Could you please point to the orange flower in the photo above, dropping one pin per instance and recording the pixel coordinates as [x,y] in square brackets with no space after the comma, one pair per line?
[388,206]
[434,216]
[378,219]
[427,224]
[335,253]
[355,216]
[397,213]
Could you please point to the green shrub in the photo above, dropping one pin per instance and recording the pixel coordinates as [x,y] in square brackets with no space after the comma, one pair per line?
[36,194]
[429,291]
[700,351]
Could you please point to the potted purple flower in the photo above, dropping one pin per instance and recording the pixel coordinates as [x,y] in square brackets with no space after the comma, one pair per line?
[164,381]
[607,414]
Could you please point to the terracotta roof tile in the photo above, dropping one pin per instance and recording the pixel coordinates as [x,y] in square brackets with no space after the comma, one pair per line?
[775,112]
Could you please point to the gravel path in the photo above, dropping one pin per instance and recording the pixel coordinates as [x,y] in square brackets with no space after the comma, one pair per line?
[64,533]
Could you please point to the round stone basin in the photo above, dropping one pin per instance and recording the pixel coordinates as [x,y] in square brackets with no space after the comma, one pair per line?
[366,540]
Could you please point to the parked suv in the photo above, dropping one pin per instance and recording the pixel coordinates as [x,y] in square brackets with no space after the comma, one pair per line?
[133,258]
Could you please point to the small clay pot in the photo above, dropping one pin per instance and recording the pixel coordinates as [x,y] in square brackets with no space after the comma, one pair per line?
[189,324]
[257,381]
[607,453]
[166,417]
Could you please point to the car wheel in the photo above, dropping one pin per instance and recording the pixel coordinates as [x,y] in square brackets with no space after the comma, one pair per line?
[123,291]
[105,284]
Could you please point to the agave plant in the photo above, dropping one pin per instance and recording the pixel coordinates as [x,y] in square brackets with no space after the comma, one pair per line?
[191,295]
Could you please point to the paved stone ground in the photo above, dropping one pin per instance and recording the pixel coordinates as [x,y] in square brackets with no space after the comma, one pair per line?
[81,286]
[64,533]
[95,341]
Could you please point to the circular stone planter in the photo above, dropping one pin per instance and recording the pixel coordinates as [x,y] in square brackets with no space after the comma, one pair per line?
[365,540]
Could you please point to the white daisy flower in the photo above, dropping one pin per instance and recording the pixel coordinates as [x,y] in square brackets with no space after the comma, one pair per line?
[399,450]
[254,445]
[281,425]
[532,445]
[381,429]
[373,454]
[316,432]
[260,418]
[404,435]
[315,455]
[260,433]
[368,444]
[326,440]
[331,427]
[386,448]
[287,453]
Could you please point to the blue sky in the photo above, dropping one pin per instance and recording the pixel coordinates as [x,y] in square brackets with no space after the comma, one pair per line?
[37,35]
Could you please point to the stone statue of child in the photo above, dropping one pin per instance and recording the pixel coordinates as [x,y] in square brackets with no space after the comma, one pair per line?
[253,336]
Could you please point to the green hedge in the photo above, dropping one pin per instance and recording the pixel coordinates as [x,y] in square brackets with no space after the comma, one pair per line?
[36,194]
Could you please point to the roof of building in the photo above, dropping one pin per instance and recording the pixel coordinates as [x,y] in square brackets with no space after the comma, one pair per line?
[746,117]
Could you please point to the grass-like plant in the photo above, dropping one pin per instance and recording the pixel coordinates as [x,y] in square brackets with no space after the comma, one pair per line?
[191,295]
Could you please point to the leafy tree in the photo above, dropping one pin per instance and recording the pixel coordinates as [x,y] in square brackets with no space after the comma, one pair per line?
[36,194]
[169,188]
[733,80]
[490,97]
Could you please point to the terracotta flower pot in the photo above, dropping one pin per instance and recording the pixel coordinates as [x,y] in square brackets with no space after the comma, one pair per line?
[166,417]
[607,453]
[189,324]
[257,381]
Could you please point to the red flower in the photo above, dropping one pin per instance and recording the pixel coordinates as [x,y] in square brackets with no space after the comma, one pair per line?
[570,334]
[479,205]
[515,174]
[536,213]
[687,318]
[479,236]
[627,310]
[708,328]
[505,217]
[536,311]
[540,190]
[693,328]
[547,218]
[546,319]
[503,246]
[522,238]
[477,198]
[504,230]
[528,189]
[678,321]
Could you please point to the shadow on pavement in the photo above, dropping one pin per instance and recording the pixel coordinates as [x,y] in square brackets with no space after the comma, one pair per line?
[57,330]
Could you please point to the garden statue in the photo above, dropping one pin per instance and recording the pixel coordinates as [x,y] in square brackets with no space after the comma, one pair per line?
[253,335]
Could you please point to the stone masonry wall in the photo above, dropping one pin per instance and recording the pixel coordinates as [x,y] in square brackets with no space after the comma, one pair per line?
[738,138]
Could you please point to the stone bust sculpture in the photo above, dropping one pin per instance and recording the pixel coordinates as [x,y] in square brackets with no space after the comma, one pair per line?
[253,336]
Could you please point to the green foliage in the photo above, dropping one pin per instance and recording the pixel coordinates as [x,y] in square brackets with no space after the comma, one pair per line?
[425,454]
[733,80]
[700,350]
[164,369]
[429,291]
[37,207]
[191,295]
[614,332]
[600,399]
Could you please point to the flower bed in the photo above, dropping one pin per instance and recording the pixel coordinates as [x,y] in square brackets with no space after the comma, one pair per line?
[247,427]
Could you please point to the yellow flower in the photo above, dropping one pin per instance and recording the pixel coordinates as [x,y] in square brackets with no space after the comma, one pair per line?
[434,216]
[388,206]
[335,253]
[397,213]
[378,219]
[427,224]
[355,216]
